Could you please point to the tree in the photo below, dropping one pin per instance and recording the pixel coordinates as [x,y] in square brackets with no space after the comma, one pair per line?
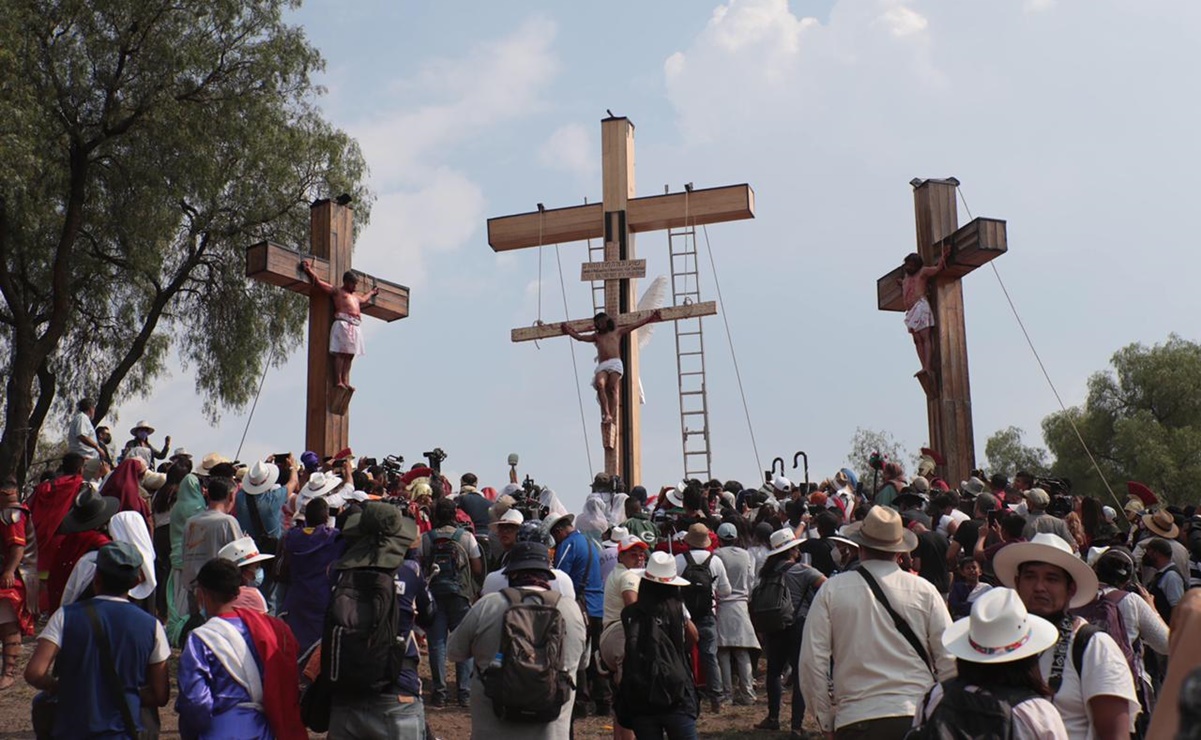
[144,145]
[1006,454]
[866,441]
[1141,421]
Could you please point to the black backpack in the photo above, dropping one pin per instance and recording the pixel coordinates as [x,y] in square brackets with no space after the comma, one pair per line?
[526,681]
[699,596]
[770,604]
[656,675]
[983,714]
[361,651]
[454,568]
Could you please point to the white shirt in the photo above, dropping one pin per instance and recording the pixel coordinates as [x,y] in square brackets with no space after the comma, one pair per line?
[53,633]
[877,674]
[622,579]
[498,581]
[721,582]
[1142,622]
[956,516]
[1033,719]
[1105,674]
[81,426]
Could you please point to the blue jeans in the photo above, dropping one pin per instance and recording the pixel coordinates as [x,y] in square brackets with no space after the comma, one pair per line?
[381,717]
[707,646]
[451,610]
[677,725]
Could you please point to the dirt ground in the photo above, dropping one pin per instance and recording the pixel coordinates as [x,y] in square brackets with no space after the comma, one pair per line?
[451,723]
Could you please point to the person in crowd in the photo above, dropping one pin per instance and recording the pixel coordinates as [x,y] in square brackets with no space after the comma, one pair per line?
[608,554]
[128,527]
[237,671]
[579,557]
[81,435]
[1167,586]
[84,530]
[966,534]
[701,599]
[877,675]
[782,647]
[1161,524]
[18,556]
[244,553]
[529,531]
[894,483]
[1038,520]
[820,550]
[1096,700]
[207,532]
[87,643]
[637,521]
[735,635]
[188,502]
[621,587]
[996,651]
[140,440]
[453,589]
[659,603]
[305,570]
[161,505]
[1009,530]
[478,639]
[1167,721]
[964,589]
[266,487]
[51,501]
[930,557]
[124,485]
[504,537]
[380,536]
[477,507]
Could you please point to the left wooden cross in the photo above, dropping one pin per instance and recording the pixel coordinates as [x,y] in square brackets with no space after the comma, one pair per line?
[331,229]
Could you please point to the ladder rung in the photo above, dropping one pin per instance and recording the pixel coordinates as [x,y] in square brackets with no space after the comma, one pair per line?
[693,372]
[691,393]
[690,354]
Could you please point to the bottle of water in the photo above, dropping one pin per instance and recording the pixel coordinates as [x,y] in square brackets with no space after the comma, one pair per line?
[497,661]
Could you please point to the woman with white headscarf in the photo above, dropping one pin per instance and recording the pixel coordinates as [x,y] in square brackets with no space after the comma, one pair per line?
[125,526]
[594,521]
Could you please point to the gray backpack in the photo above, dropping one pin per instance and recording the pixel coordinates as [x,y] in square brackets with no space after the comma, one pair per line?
[526,681]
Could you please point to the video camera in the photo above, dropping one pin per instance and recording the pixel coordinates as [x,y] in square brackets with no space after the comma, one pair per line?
[435,458]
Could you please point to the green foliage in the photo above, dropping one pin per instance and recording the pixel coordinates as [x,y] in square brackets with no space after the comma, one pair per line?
[1141,420]
[866,441]
[1006,454]
[144,145]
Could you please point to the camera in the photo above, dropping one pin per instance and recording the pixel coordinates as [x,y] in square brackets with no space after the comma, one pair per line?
[394,464]
[435,458]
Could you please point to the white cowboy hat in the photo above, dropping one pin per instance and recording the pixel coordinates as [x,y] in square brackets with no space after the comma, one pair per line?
[141,425]
[555,520]
[616,535]
[781,540]
[209,462]
[999,630]
[675,496]
[181,452]
[883,530]
[1047,548]
[661,568]
[320,484]
[843,540]
[242,552]
[261,478]
[511,516]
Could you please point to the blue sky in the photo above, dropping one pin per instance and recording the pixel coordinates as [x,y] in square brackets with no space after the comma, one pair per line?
[1073,120]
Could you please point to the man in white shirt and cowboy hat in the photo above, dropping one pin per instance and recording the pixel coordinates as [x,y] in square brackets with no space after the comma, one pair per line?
[879,676]
[1096,700]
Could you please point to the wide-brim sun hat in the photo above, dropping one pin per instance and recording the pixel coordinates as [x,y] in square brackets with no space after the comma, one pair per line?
[141,425]
[999,630]
[882,529]
[320,484]
[207,463]
[511,516]
[1051,549]
[242,552]
[661,568]
[843,540]
[90,511]
[262,477]
[557,520]
[782,540]
[675,497]
[1161,523]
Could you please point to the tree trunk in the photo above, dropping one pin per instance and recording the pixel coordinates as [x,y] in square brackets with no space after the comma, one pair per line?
[47,387]
[18,411]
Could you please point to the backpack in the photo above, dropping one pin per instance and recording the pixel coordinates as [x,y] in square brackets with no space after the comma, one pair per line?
[454,568]
[655,675]
[983,714]
[526,681]
[770,604]
[361,651]
[699,596]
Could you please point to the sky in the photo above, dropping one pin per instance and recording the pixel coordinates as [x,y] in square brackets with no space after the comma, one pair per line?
[1071,119]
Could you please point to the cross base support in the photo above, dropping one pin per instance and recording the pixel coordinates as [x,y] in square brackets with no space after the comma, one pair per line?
[339,400]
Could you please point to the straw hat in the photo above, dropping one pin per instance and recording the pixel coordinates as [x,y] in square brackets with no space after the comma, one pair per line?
[209,462]
[1051,549]
[697,537]
[261,478]
[781,540]
[999,630]
[242,552]
[141,425]
[661,568]
[1161,523]
[883,530]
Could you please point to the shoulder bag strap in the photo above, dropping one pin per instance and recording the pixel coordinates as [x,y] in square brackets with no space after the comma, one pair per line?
[256,518]
[110,670]
[899,621]
[1055,680]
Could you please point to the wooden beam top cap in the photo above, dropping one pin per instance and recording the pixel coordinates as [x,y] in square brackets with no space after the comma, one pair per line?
[918,182]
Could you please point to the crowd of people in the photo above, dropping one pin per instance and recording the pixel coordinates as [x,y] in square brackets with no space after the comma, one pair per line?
[302,592]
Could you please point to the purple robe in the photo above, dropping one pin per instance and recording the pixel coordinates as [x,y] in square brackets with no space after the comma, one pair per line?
[209,697]
[311,554]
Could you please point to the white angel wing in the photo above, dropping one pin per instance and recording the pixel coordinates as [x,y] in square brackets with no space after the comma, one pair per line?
[652,298]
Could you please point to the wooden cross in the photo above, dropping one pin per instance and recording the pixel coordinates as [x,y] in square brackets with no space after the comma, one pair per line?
[948,394]
[615,219]
[331,228]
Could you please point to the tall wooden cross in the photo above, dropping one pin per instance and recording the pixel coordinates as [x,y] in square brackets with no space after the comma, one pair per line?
[948,394]
[331,239]
[615,219]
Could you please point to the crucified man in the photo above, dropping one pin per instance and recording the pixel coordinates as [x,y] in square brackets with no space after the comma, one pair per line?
[919,319]
[609,368]
[345,337]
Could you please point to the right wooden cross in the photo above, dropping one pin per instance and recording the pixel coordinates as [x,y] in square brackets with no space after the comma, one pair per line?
[948,392]
[615,220]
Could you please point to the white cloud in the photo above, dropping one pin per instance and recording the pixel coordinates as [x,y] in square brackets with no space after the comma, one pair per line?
[902,21]
[1037,6]
[571,149]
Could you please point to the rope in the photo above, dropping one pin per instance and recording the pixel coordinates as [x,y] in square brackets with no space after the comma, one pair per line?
[1029,342]
[541,218]
[575,369]
[730,339]
[238,454]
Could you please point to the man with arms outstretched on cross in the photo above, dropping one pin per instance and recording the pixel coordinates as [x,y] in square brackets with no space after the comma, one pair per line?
[609,368]
[345,337]
[919,318]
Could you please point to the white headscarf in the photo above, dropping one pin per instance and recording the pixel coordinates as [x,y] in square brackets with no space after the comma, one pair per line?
[128,527]
[550,500]
[617,510]
[594,520]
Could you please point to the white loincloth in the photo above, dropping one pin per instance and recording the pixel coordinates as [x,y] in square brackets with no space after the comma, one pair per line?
[919,316]
[608,366]
[345,336]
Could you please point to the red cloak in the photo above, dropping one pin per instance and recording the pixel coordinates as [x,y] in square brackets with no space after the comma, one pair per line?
[277,650]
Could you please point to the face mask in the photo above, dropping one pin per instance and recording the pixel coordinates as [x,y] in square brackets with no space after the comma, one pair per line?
[142,435]
[258,578]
